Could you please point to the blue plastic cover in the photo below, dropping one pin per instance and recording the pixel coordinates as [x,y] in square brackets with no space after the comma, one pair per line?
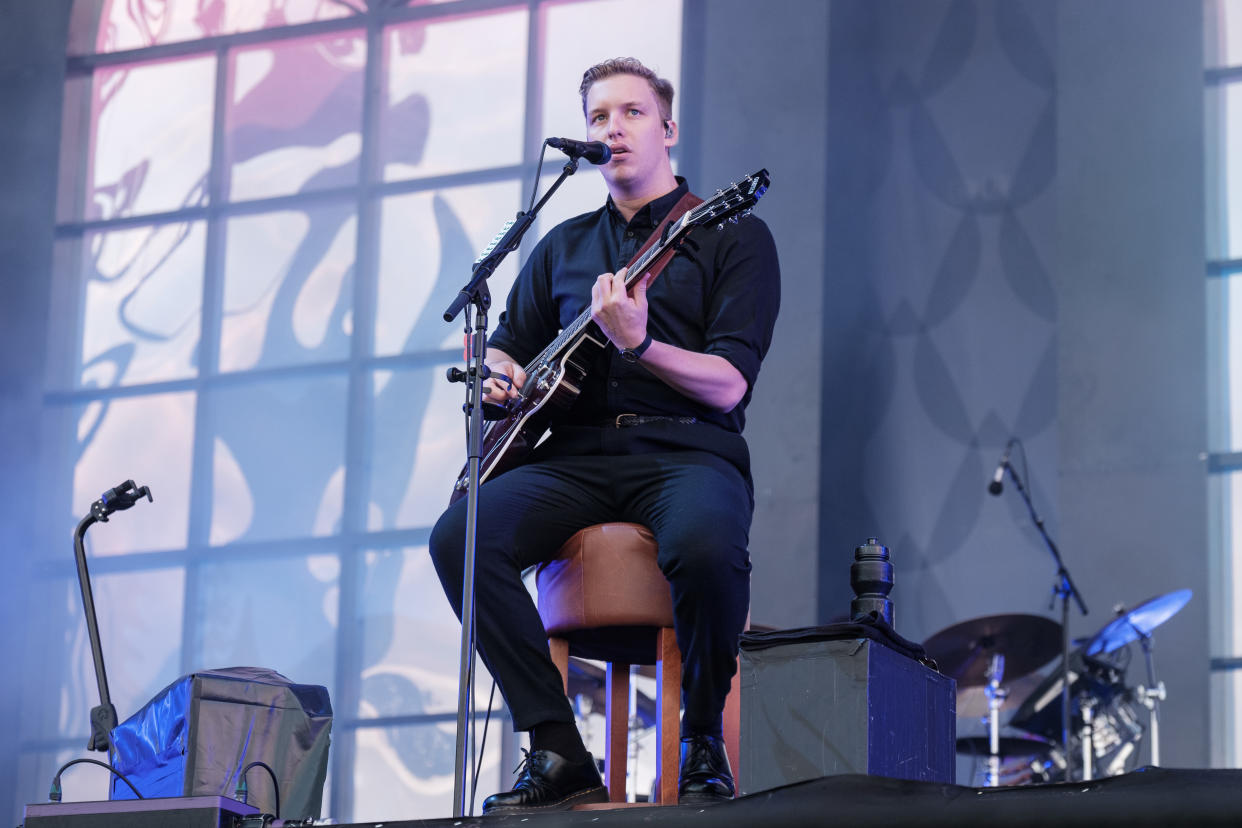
[196,736]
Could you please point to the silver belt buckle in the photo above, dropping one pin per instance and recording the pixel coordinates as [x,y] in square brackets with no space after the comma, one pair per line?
[624,420]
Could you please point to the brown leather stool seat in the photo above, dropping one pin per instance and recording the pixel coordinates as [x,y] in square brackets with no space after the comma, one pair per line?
[604,597]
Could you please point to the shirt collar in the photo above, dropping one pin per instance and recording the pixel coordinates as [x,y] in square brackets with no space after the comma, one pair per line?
[654,211]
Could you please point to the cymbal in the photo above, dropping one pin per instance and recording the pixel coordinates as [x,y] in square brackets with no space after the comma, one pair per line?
[964,651]
[972,702]
[1138,622]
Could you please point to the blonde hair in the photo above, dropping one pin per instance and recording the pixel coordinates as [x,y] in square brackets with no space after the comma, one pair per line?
[662,88]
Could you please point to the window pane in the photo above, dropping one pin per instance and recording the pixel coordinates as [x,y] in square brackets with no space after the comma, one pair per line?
[418,448]
[288,288]
[617,28]
[142,293]
[125,24]
[239,602]
[456,94]
[151,129]
[139,616]
[295,116]
[401,771]
[428,242]
[147,439]
[278,459]
[1224,295]
[411,657]
[1223,27]
[1226,691]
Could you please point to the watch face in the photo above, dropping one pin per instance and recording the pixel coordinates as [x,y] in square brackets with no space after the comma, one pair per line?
[629,355]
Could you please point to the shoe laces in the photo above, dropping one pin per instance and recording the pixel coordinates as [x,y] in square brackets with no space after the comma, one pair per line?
[526,778]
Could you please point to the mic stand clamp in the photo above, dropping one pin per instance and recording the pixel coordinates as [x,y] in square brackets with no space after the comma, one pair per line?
[1065,590]
[124,496]
[477,295]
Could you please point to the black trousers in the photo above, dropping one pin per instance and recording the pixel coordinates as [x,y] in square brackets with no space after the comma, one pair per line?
[696,504]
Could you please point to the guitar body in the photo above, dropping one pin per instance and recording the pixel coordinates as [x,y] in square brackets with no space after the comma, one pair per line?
[551,389]
[554,378]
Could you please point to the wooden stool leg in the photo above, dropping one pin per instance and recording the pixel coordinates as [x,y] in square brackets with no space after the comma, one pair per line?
[668,712]
[559,648]
[733,723]
[616,729]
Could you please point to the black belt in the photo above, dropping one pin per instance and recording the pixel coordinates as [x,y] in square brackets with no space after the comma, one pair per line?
[627,420]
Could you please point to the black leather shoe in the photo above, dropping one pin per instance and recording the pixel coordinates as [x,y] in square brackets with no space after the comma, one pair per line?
[546,782]
[705,777]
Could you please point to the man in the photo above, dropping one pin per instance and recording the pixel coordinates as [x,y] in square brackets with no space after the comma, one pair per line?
[687,349]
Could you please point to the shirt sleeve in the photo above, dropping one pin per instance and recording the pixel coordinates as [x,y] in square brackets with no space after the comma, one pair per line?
[529,321]
[744,298]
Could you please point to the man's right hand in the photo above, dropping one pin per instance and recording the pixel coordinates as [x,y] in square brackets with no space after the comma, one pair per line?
[498,390]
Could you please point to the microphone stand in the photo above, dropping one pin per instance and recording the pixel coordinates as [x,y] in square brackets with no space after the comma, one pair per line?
[123,496]
[476,294]
[1064,589]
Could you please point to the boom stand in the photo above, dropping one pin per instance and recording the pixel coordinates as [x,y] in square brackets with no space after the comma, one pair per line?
[103,717]
[1064,589]
[476,294]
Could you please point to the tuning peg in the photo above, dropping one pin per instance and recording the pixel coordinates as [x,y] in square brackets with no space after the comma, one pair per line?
[719,227]
[733,219]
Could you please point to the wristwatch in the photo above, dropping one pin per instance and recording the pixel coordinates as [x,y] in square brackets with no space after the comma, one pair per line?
[632,355]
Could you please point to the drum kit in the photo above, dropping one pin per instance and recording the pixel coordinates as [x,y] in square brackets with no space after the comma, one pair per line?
[995,660]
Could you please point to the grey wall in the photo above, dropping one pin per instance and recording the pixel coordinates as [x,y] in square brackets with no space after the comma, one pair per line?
[760,91]
[1014,243]
[1131,292]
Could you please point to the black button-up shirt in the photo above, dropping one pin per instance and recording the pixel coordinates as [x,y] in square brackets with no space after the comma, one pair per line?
[718,295]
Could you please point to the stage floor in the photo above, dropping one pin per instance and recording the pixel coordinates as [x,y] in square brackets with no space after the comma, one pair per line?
[1147,797]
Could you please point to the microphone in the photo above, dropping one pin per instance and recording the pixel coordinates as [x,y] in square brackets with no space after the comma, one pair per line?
[597,152]
[995,487]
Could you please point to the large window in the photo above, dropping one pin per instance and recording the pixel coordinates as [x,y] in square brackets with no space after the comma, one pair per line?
[1224,254]
[264,209]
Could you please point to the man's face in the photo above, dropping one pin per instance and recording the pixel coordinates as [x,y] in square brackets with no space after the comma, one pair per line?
[622,111]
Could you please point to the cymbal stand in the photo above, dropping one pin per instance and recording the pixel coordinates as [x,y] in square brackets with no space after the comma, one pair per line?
[1086,705]
[996,697]
[1151,696]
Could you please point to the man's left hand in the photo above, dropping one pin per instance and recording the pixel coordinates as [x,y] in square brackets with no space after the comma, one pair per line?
[622,317]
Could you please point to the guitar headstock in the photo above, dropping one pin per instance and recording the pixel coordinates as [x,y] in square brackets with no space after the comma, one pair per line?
[732,203]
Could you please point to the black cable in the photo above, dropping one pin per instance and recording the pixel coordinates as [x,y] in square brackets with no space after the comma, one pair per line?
[54,795]
[478,763]
[241,783]
[534,188]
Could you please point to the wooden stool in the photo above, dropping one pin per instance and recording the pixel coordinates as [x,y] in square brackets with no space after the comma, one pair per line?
[604,597]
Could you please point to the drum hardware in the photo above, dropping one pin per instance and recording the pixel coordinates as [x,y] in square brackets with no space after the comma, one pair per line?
[1086,707]
[996,697]
[1138,625]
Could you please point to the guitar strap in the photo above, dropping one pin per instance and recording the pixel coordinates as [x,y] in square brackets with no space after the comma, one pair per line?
[686,203]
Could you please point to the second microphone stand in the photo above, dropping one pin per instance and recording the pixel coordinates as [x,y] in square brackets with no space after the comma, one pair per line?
[1064,589]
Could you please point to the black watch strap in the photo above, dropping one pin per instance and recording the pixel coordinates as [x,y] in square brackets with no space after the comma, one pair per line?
[635,354]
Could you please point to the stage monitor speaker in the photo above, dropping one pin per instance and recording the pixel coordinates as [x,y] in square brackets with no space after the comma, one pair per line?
[817,708]
[197,736]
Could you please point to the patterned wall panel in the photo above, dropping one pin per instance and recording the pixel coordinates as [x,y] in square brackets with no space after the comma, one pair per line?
[940,316]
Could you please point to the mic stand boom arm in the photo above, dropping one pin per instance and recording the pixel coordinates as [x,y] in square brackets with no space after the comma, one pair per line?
[476,293]
[1064,589]
[103,716]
